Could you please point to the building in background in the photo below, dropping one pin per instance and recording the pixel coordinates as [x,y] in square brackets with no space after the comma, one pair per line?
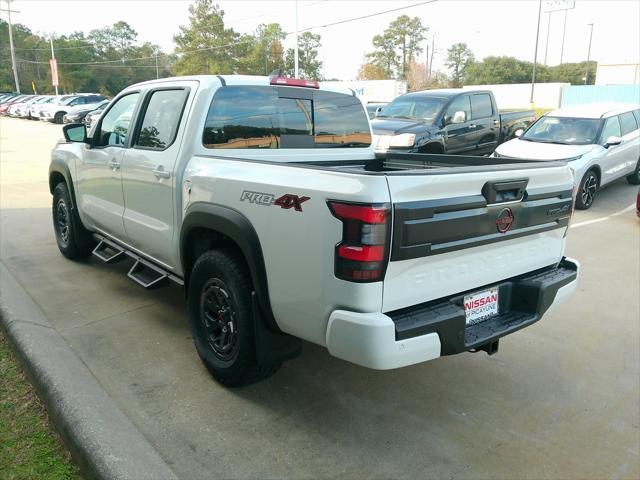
[373,91]
[618,74]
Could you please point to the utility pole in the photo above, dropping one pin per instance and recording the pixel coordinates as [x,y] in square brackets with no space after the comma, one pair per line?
[586,70]
[535,55]
[157,71]
[53,57]
[295,55]
[14,66]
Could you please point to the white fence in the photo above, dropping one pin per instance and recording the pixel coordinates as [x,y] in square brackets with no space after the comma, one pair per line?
[374,90]
[518,95]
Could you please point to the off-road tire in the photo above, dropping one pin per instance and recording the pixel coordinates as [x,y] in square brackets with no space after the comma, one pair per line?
[587,190]
[221,273]
[74,241]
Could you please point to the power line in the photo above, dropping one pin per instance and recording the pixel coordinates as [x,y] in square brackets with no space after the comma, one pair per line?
[228,22]
[203,49]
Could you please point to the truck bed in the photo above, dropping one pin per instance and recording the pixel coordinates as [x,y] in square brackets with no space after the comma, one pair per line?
[425,163]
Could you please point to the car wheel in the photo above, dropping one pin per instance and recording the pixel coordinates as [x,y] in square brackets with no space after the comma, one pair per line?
[634,178]
[74,241]
[587,190]
[221,318]
[58,117]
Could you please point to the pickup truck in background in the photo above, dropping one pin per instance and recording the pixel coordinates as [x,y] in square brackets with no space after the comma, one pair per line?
[263,197]
[453,121]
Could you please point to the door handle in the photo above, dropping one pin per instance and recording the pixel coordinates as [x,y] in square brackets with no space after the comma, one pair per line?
[161,173]
[496,122]
[114,164]
[472,125]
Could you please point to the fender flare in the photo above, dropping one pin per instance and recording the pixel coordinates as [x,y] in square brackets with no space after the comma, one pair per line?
[239,229]
[58,166]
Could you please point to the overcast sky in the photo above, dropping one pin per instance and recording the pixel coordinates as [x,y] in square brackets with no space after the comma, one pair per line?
[496,27]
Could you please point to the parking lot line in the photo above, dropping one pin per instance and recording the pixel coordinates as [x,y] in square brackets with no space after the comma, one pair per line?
[602,219]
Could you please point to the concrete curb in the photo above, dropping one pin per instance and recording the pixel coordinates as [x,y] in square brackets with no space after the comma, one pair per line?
[102,440]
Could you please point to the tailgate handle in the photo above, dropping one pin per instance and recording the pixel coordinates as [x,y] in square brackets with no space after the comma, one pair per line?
[504,191]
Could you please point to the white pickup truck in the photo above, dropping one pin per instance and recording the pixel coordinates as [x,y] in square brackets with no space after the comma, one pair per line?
[263,197]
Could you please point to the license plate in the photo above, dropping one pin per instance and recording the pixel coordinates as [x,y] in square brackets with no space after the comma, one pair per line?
[479,306]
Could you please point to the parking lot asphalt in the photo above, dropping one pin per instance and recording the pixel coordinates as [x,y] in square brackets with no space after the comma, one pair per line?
[561,399]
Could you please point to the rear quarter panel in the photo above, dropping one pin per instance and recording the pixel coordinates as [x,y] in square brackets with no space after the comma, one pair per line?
[298,246]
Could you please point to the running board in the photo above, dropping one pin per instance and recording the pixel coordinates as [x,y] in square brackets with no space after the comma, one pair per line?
[143,272]
[108,252]
[147,275]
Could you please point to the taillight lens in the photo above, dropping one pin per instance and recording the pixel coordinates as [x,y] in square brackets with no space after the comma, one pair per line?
[362,254]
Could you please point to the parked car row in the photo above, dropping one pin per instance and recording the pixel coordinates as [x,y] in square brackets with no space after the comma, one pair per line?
[51,108]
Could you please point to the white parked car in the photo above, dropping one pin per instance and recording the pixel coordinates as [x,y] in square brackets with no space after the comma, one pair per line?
[34,111]
[600,142]
[55,112]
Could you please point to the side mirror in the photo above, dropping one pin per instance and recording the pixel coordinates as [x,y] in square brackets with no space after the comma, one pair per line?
[518,132]
[459,117]
[75,132]
[612,140]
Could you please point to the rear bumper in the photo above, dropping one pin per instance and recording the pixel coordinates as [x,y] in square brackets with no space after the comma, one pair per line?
[430,330]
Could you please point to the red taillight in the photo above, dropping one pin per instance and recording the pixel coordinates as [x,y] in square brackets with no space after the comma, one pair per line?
[294,82]
[362,254]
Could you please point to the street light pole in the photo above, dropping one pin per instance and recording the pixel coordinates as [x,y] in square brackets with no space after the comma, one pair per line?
[535,55]
[586,71]
[295,55]
[564,30]
[546,45]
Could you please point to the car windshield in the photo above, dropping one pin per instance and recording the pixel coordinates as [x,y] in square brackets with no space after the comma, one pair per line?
[563,131]
[413,107]
[67,101]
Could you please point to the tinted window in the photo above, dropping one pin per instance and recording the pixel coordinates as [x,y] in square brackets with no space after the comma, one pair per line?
[611,129]
[636,113]
[628,122]
[563,130]
[115,124]
[339,121]
[256,117]
[413,106]
[460,104]
[481,106]
[161,119]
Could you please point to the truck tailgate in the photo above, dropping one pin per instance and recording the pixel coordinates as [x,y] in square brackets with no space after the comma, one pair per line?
[458,231]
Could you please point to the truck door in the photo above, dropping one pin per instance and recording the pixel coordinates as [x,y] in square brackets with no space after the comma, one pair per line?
[486,123]
[148,180]
[98,172]
[459,130]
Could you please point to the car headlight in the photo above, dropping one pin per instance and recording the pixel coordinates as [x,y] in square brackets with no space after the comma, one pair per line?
[402,140]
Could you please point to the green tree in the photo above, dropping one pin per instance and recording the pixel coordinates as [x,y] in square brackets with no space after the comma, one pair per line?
[397,46]
[205,45]
[309,66]
[264,51]
[499,70]
[372,71]
[459,57]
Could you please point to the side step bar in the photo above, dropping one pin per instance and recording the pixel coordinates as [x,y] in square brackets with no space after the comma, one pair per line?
[143,272]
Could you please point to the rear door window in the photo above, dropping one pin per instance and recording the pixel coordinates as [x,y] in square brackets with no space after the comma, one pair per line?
[161,119]
[263,117]
[481,106]
[628,123]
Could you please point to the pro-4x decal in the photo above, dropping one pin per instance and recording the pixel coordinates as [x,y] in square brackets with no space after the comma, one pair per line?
[286,201]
